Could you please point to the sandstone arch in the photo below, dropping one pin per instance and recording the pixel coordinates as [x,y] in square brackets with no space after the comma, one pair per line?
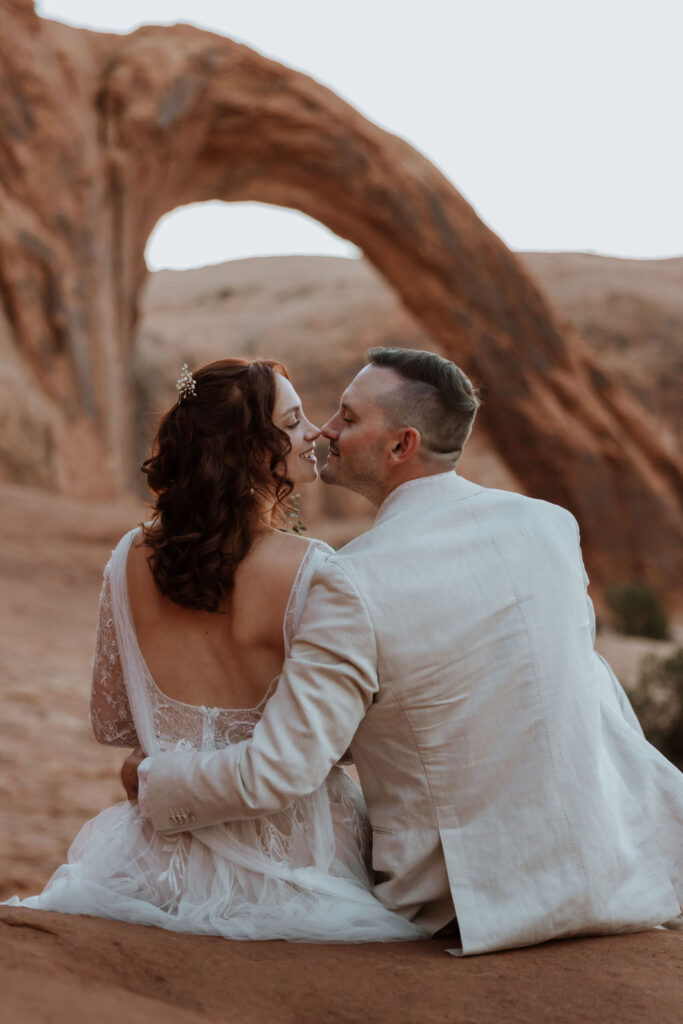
[104,134]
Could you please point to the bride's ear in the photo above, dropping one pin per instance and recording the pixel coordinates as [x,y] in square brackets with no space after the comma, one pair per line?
[406,444]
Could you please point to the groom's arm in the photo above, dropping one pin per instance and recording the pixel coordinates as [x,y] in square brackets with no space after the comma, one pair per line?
[326,686]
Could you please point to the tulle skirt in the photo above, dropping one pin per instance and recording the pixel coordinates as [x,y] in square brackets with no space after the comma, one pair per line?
[300,875]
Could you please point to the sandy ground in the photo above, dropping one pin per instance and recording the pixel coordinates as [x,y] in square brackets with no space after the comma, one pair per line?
[54,777]
[136,974]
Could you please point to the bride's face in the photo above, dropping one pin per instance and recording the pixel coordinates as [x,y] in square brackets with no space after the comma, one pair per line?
[289,416]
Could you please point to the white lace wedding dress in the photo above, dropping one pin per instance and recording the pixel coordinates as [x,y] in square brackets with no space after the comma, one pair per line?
[300,874]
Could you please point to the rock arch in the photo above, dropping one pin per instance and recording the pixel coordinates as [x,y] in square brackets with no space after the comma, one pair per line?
[103,134]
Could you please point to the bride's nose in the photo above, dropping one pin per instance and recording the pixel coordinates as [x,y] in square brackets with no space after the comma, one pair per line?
[312,433]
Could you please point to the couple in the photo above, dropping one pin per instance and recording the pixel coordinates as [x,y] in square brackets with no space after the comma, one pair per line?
[511,796]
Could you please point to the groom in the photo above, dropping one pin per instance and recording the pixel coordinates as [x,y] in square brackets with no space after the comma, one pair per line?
[509,787]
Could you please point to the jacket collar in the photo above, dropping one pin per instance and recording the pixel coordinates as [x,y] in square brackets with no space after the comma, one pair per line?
[424,490]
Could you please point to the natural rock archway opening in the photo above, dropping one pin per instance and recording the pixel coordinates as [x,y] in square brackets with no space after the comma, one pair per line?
[105,134]
[225,278]
[207,233]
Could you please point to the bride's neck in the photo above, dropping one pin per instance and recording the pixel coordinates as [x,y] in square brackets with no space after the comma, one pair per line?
[263,519]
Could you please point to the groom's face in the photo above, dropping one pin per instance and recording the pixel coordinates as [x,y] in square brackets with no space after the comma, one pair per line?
[359,435]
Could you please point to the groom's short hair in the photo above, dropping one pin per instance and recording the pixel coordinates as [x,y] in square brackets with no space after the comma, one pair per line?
[434,396]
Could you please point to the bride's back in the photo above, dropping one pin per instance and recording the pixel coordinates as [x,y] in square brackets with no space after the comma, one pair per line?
[219,659]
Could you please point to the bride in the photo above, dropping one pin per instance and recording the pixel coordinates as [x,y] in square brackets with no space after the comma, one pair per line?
[197,612]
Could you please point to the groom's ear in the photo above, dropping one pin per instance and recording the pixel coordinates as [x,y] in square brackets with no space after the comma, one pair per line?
[406,444]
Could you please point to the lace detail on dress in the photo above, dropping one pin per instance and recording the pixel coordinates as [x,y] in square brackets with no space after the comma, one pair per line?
[181,726]
[111,718]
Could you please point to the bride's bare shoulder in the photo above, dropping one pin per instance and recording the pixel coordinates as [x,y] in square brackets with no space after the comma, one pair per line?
[273,561]
[283,552]
[138,571]
[279,556]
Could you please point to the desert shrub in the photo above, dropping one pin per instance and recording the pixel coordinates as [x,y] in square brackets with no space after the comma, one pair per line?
[637,611]
[658,702]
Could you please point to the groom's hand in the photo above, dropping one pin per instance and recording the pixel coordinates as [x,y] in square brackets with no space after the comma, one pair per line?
[129,773]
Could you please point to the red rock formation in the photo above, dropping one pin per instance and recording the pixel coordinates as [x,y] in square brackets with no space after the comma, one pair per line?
[630,314]
[65,969]
[104,134]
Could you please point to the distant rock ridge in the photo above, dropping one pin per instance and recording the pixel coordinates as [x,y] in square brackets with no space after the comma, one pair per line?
[103,134]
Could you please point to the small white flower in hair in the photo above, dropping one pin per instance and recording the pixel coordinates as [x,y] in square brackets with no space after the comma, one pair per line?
[186,384]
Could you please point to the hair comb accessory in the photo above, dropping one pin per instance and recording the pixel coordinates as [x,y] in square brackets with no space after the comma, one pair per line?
[186,385]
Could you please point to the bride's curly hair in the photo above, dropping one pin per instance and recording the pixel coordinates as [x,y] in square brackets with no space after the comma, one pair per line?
[216,454]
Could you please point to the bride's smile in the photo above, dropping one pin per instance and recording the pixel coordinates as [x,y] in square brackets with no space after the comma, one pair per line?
[302,465]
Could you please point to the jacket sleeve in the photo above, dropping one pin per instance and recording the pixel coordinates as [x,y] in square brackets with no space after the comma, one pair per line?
[326,686]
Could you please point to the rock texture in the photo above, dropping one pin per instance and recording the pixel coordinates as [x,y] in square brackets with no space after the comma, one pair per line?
[630,314]
[54,776]
[102,134]
[142,974]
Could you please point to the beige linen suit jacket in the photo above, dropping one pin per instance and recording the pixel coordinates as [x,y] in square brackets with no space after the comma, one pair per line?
[506,777]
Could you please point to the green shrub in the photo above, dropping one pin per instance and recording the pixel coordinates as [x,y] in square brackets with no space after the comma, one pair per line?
[658,702]
[637,611]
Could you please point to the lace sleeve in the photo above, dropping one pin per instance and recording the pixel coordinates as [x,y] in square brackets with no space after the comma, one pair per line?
[111,719]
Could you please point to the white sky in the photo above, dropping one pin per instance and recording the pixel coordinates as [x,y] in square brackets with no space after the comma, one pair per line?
[559,120]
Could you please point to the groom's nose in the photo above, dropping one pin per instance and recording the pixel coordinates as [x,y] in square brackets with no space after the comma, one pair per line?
[330,430]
